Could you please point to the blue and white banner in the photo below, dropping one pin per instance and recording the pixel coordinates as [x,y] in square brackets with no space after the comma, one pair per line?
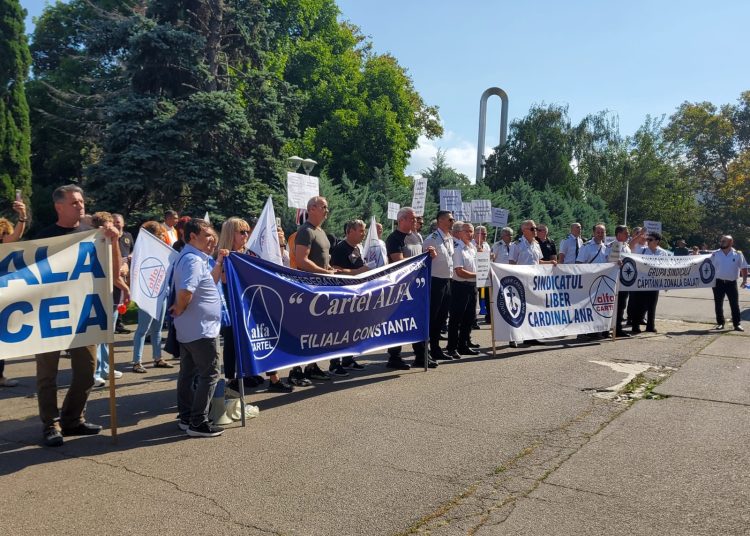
[542,301]
[148,273]
[284,317]
[55,293]
[665,272]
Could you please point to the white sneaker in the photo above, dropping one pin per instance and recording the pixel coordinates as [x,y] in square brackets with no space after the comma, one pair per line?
[99,382]
[118,374]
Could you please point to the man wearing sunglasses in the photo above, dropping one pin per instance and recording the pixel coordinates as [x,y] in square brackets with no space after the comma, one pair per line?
[645,301]
[729,264]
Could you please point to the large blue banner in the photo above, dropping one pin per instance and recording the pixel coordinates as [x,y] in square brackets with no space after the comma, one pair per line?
[283,317]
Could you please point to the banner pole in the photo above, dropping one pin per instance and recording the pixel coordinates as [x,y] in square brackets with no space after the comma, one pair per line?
[112,401]
[242,399]
[615,324]
[492,313]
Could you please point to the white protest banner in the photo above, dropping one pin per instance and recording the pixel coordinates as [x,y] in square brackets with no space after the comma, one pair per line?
[652,226]
[55,293]
[664,272]
[481,210]
[148,273]
[374,253]
[615,249]
[264,241]
[450,200]
[499,217]
[300,189]
[419,195]
[483,268]
[393,209]
[541,301]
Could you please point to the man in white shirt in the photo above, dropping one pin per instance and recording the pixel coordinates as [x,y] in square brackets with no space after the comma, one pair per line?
[646,300]
[729,264]
[527,251]
[501,249]
[442,271]
[570,246]
[463,293]
[595,250]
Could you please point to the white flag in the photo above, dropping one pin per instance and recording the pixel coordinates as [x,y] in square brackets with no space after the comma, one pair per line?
[374,253]
[264,241]
[205,217]
[148,272]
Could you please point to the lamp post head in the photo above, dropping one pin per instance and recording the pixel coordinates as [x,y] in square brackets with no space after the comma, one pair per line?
[294,162]
[308,164]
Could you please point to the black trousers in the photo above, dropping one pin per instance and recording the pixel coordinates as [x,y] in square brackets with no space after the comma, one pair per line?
[644,305]
[419,352]
[622,303]
[440,298]
[726,288]
[462,314]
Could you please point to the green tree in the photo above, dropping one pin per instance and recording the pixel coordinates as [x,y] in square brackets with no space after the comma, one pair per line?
[15,130]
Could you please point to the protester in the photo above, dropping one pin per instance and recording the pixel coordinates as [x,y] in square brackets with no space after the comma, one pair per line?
[100,219]
[595,250]
[285,260]
[170,220]
[11,233]
[681,249]
[463,293]
[646,300]
[312,254]
[729,264]
[402,243]
[126,248]
[180,229]
[546,244]
[147,324]
[442,271]
[197,320]
[70,420]
[346,258]
[622,237]
[501,249]
[480,244]
[570,247]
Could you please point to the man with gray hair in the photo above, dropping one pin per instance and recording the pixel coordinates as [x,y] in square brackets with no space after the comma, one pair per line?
[571,245]
[402,244]
[501,249]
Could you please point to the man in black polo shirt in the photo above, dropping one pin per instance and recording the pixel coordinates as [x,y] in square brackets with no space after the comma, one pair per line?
[346,258]
[402,243]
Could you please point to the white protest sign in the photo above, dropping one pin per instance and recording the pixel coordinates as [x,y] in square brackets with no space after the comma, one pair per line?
[499,217]
[450,200]
[300,189]
[464,213]
[483,268]
[541,301]
[419,195]
[148,273]
[652,226]
[481,210]
[615,248]
[55,294]
[393,209]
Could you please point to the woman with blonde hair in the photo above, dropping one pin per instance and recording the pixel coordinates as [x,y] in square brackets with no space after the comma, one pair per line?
[234,235]
[146,324]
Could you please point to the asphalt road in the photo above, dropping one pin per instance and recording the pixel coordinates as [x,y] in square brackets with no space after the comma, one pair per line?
[533,441]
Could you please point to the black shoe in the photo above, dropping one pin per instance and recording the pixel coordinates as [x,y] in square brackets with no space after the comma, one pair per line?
[338,370]
[738,327]
[280,387]
[475,326]
[635,331]
[439,355]
[397,364]
[205,430]
[473,345]
[513,344]
[314,372]
[718,327]
[452,354]
[52,437]
[122,329]
[430,364]
[299,381]
[651,330]
[621,333]
[467,351]
[85,428]
[352,364]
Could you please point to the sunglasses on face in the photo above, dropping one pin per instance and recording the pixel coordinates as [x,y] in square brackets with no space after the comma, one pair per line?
[244,232]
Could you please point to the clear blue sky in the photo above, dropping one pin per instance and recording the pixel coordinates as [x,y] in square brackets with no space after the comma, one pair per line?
[633,58]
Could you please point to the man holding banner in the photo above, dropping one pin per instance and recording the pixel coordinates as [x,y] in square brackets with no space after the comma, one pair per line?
[70,420]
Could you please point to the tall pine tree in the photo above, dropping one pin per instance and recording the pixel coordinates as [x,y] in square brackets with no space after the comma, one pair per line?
[15,132]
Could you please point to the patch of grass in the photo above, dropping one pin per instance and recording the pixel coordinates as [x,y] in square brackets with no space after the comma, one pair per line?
[642,387]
